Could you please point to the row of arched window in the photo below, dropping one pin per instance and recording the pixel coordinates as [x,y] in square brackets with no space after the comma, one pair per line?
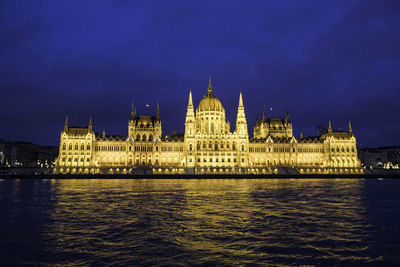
[76,147]
[215,146]
[110,148]
[144,137]
[343,149]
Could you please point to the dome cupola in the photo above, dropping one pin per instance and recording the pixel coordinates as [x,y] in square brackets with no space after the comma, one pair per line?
[210,102]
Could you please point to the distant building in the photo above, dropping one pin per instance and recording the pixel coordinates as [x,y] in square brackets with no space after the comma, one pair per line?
[381,157]
[25,154]
[207,146]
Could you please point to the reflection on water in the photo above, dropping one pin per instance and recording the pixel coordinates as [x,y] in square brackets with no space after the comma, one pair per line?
[186,222]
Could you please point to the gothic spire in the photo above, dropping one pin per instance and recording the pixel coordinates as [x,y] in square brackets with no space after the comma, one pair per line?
[66,123]
[133,112]
[241,100]
[287,119]
[350,129]
[330,127]
[264,119]
[90,128]
[158,112]
[190,102]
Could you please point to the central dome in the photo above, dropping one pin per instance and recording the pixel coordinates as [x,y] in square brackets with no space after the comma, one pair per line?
[210,102]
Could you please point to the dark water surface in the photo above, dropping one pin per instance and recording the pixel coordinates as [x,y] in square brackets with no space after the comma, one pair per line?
[200,222]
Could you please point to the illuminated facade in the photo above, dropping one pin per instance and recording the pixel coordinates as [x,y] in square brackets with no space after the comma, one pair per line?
[207,146]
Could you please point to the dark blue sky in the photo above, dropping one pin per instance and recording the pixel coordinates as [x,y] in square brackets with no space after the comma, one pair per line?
[321,60]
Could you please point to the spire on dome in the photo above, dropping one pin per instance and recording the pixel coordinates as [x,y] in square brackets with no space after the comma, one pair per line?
[210,89]
[350,129]
[330,127]
[301,134]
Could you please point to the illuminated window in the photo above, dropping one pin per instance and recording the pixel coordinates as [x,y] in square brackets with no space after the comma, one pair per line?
[64,146]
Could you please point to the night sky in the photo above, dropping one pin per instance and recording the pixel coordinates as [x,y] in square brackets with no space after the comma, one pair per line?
[321,60]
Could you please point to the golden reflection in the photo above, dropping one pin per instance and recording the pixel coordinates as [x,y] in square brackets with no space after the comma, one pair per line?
[280,221]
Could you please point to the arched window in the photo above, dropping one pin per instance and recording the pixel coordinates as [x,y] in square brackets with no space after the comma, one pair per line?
[342,149]
[82,147]
[348,150]
[64,146]
[76,146]
[138,137]
[156,148]
[337,149]
[242,147]
[150,137]
[352,149]
[233,146]
[144,138]
[190,147]
[88,147]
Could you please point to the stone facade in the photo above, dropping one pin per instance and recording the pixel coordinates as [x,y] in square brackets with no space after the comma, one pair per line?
[207,146]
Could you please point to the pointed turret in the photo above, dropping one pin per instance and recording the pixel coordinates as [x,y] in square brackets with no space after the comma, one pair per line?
[190,102]
[158,112]
[264,119]
[104,133]
[133,112]
[241,122]
[330,127]
[287,119]
[301,135]
[241,101]
[90,127]
[66,124]
[210,89]
[350,129]
[190,119]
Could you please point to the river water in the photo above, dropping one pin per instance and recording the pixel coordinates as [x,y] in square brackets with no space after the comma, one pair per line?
[275,222]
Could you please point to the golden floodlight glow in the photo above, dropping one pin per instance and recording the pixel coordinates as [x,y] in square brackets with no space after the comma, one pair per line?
[207,146]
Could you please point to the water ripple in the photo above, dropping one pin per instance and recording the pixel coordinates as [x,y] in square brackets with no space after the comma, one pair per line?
[195,222]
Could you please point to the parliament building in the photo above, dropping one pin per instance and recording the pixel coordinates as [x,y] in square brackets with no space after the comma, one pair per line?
[208,146]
